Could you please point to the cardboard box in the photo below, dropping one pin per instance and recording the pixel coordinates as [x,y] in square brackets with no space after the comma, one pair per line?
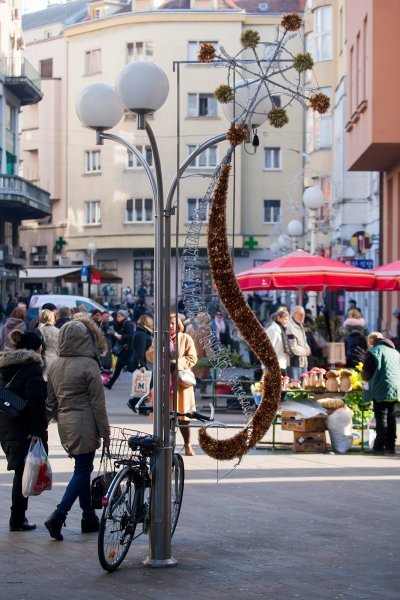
[292,421]
[311,441]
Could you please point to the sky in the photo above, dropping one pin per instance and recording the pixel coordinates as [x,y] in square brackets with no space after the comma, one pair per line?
[33,5]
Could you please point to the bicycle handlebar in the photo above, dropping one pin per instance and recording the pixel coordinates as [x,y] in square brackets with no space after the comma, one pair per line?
[194,414]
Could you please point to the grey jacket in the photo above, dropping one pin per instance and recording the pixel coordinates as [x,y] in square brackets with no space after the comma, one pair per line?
[75,389]
[298,342]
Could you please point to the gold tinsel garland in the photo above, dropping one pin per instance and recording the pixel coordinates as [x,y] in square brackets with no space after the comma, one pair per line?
[320,102]
[224,94]
[251,329]
[236,135]
[303,62]
[278,117]
[250,38]
[206,53]
[291,22]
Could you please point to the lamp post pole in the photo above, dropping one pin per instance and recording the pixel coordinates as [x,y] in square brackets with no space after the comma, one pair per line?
[99,118]
[92,249]
[313,199]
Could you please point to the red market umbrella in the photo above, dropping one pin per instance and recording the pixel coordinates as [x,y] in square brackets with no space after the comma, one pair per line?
[387,277]
[306,271]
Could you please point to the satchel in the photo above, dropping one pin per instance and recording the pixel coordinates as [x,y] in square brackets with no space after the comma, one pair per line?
[118,349]
[11,404]
[186,378]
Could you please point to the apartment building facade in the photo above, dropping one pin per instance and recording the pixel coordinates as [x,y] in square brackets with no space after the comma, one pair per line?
[19,198]
[107,194]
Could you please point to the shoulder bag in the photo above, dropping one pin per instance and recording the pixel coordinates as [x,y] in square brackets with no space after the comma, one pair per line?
[186,378]
[11,404]
[100,484]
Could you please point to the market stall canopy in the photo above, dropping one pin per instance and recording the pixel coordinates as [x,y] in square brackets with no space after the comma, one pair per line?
[105,276]
[301,270]
[387,277]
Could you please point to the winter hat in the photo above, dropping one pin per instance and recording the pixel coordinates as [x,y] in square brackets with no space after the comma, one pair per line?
[124,313]
[28,340]
[49,306]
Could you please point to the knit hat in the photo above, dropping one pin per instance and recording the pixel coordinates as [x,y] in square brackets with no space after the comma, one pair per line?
[124,313]
[28,340]
[49,306]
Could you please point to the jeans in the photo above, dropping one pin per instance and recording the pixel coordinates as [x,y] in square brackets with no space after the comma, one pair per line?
[385,419]
[295,372]
[79,485]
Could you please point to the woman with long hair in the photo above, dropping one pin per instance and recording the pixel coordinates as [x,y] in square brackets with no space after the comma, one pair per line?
[49,333]
[15,321]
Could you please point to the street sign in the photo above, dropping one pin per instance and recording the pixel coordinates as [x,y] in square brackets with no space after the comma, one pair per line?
[84,274]
[96,280]
[362,263]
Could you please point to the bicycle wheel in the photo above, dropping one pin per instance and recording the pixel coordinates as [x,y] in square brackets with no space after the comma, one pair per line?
[177,483]
[118,520]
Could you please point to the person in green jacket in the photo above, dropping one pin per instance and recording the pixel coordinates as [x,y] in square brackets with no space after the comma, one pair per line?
[382,372]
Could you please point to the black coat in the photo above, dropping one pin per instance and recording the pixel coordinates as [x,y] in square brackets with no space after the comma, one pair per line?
[355,348]
[25,366]
[142,341]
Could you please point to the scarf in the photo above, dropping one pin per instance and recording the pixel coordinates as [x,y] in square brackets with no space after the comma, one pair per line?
[285,341]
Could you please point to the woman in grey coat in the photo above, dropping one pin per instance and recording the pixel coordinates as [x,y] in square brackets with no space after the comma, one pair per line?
[49,333]
[76,400]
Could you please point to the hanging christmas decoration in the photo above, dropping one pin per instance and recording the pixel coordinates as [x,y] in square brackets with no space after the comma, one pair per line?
[278,117]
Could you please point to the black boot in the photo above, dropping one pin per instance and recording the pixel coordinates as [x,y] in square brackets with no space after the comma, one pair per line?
[90,523]
[21,526]
[54,524]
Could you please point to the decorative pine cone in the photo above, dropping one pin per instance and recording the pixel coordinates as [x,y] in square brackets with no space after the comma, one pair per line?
[303,62]
[236,135]
[206,53]
[249,38]
[278,117]
[291,22]
[320,102]
[224,94]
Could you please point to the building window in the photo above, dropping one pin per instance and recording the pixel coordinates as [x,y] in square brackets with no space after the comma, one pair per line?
[202,105]
[309,47]
[139,51]
[272,159]
[139,210]
[272,211]
[194,48]
[319,128]
[143,273]
[92,61]
[46,68]
[132,160]
[194,205]
[92,161]
[208,158]
[92,212]
[323,33]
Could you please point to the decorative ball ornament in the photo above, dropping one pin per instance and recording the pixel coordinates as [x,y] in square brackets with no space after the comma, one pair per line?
[142,87]
[207,53]
[250,38]
[320,102]
[291,22]
[224,94]
[236,135]
[303,62]
[278,117]
[98,106]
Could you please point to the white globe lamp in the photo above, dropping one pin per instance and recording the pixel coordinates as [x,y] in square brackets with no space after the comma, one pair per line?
[295,228]
[313,198]
[142,87]
[250,96]
[98,106]
[283,240]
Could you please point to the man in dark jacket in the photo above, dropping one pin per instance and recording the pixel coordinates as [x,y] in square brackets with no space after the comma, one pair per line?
[123,336]
[382,372]
[63,316]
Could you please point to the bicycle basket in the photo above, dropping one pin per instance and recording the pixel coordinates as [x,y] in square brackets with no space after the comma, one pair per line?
[120,449]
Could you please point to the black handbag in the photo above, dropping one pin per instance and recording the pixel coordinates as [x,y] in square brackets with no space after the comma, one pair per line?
[99,488]
[118,349]
[11,404]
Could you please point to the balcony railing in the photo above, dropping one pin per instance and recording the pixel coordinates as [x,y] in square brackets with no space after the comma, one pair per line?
[28,200]
[12,255]
[22,79]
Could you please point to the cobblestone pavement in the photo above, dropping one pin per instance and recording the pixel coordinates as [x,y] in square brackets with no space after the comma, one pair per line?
[279,526]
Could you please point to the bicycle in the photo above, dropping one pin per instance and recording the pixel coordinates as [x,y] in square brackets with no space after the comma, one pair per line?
[127,502]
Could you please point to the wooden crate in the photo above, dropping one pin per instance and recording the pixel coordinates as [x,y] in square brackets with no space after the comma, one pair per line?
[311,441]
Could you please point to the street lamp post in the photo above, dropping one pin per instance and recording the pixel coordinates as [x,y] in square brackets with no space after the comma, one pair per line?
[91,249]
[295,231]
[313,200]
[142,87]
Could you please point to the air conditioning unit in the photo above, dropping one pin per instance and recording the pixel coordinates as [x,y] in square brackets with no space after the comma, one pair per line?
[34,250]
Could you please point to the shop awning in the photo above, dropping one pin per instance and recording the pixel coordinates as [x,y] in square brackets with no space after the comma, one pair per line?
[32,273]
